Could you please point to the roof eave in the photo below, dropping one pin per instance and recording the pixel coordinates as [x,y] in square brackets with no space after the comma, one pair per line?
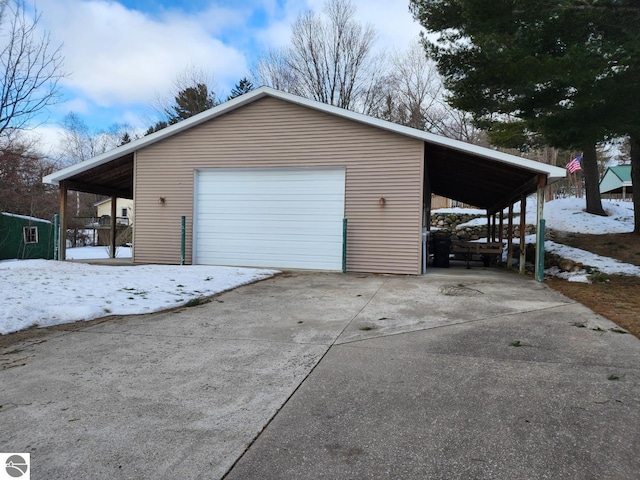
[56,177]
[553,173]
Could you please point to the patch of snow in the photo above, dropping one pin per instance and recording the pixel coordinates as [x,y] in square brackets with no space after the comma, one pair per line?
[47,292]
[568,215]
[91,253]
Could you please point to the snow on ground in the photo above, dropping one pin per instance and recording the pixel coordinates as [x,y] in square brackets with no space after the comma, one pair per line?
[607,265]
[46,292]
[88,253]
[568,215]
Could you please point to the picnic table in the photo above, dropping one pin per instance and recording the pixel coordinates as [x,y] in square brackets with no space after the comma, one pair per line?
[488,251]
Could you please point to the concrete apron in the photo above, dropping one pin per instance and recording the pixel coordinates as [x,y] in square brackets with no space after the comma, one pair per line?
[420,377]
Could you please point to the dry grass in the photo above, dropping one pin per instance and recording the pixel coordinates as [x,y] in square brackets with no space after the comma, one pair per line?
[618,299]
[622,246]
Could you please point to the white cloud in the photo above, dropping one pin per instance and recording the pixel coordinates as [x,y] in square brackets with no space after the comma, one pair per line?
[119,59]
[390,18]
[47,138]
[118,56]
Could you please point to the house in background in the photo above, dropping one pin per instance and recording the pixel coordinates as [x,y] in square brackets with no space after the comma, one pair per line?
[124,210]
[25,237]
[616,182]
[123,222]
[270,179]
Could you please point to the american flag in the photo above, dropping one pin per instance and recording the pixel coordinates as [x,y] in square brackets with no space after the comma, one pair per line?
[574,165]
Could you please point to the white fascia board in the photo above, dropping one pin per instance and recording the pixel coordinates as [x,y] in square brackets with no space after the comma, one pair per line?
[553,173]
[56,177]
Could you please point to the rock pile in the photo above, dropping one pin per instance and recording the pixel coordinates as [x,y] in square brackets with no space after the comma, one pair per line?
[451,224]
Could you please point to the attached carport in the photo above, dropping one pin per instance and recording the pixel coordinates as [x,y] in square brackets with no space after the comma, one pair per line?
[492,181]
[113,179]
[475,175]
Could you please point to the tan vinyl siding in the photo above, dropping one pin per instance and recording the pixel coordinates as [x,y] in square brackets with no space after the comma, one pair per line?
[275,133]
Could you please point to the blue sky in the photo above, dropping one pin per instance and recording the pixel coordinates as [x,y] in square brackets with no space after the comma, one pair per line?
[120,55]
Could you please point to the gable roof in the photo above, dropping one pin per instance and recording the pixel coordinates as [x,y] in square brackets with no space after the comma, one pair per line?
[623,172]
[615,178]
[112,167]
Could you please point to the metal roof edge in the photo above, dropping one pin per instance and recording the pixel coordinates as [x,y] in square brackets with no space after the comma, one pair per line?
[55,177]
[554,173]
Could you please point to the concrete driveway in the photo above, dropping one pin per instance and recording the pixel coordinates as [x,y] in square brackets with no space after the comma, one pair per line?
[457,374]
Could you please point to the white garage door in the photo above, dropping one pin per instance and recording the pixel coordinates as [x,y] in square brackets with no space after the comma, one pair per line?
[284,218]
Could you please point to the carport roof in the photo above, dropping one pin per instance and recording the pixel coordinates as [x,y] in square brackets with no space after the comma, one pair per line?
[469,173]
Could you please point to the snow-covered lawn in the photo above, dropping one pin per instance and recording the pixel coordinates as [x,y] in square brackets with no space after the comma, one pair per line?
[46,292]
[568,215]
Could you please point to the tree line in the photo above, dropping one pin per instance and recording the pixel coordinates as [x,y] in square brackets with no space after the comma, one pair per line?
[519,75]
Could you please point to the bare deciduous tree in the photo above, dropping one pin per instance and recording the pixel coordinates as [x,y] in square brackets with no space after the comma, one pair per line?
[31,67]
[330,59]
[79,143]
[21,172]
[414,95]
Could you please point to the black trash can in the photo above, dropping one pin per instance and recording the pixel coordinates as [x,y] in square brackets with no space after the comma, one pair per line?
[441,251]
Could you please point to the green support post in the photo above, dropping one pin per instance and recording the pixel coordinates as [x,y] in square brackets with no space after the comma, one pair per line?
[344,245]
[183,234]
[540,250]
[56,235]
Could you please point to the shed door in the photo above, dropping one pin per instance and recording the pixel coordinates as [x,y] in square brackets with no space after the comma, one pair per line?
[276,217]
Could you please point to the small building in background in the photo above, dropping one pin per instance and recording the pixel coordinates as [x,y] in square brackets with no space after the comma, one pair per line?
[124,221]
[124,210]
[616,182]
[23,237]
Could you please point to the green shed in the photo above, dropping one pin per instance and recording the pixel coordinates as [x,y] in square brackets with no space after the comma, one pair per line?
[25,237]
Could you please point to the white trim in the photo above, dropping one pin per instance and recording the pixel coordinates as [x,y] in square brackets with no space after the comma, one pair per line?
[27,232]
[554,173]
[25,217]
[194,218]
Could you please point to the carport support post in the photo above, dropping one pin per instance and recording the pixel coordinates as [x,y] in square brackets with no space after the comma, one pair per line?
[501,232]
[183,234]
[62,237]
[56,235]
[488,226]
[540,252]
[510,238]
[344,245]
[523,224]
[112,227]
[542,180]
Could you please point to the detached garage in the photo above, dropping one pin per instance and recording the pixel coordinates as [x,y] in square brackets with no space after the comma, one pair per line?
[270,179]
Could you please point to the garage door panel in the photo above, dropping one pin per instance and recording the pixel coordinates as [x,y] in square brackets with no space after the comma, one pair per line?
[268,210]
[274,247]
[286,218]
[322,203]
[262,227]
